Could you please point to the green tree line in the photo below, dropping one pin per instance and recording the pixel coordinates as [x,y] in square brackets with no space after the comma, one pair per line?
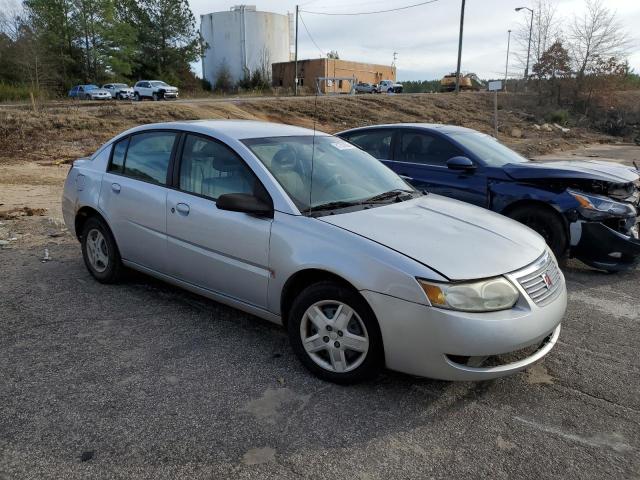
[51,45]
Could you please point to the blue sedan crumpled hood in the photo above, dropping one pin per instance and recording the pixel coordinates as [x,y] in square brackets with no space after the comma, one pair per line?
[458,240]
[572,169]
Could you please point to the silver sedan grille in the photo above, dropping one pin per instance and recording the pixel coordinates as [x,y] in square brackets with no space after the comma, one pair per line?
[542,281]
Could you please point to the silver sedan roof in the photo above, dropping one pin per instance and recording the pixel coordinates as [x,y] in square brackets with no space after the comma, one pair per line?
[235,129]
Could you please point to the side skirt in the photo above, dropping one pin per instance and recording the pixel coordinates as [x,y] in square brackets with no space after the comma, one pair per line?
[218,297]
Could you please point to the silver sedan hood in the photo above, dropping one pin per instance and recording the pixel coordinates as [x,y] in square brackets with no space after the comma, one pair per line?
[459,240]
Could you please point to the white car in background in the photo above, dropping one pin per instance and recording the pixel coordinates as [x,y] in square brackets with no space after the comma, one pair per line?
[154,89]
[363,270]
[119,91]
[389,86]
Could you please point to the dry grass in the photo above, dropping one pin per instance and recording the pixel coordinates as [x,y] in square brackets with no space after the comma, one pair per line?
[60,134]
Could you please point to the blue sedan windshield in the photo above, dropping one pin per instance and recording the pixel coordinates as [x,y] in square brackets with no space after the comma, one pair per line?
[487,148]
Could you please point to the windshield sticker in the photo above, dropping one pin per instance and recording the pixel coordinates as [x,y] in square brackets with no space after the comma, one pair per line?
[343,146]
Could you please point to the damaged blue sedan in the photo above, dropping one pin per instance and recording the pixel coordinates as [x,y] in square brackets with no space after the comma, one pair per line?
[587,209]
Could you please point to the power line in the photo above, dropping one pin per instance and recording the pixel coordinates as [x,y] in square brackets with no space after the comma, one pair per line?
[309,34]
[373,12]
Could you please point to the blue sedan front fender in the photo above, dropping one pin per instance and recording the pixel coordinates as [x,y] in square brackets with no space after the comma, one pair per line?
[504,196]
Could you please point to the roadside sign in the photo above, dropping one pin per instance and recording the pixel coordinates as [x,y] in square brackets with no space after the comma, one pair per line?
[495,85]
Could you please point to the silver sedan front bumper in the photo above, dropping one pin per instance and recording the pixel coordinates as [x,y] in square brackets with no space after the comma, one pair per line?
[437,343]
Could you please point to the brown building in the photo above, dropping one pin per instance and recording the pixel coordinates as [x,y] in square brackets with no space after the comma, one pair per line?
[310,70]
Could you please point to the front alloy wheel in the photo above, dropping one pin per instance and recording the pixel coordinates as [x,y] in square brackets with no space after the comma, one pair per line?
[335,334]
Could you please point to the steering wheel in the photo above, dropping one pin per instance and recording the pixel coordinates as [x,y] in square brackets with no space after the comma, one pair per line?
[336,179]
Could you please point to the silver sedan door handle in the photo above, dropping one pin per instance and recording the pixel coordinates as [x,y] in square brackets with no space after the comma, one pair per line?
[115,187]
[404,177]
[182,208]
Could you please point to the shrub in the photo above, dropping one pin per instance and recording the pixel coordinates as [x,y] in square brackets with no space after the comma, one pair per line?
[13,93]
[557,116]
[223,80]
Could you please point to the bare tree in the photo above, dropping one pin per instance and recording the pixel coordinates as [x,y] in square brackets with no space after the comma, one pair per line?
[10,13]
[264,65]
[595,35]
[545,32]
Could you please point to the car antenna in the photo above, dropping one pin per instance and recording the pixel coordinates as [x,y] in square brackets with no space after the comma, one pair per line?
[313,145]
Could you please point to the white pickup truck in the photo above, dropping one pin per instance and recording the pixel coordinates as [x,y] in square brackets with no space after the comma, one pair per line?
[154,89]
[389,86]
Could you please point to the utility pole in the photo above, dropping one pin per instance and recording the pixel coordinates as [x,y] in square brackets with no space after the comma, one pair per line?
[506,68]
[295,75]
[526,69]
[460,48]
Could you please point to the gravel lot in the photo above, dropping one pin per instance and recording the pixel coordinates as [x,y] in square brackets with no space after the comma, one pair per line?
[144,380]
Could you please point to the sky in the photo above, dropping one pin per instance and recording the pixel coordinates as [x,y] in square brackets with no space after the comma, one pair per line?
[425,37]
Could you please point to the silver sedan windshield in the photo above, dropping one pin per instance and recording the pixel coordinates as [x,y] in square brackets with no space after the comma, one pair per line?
[324,170]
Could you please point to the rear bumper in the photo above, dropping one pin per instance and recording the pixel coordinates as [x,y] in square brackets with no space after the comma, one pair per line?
[602,247]
[432,342]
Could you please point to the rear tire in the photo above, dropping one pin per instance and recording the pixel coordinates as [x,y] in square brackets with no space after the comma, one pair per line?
[335,334]
[546,223]
[100,252]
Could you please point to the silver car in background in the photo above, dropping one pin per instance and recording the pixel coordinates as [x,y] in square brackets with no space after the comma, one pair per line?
[305,230]
[119,91]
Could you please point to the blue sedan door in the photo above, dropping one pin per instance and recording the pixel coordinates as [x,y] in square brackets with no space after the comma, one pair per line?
[422,157]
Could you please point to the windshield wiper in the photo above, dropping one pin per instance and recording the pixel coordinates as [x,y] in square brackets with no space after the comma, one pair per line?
[333,205]
[387,195]
[344,204]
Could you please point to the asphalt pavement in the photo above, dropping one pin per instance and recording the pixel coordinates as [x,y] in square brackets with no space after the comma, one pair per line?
[144,380]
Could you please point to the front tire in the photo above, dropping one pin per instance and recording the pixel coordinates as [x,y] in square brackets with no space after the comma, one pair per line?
[100,252]
[335,334]
[546,223]
[136,97]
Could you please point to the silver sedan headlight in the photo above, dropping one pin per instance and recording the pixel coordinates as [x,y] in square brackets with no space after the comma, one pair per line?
[481,296]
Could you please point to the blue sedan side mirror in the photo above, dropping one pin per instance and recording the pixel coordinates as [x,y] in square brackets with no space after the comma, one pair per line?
[460,163]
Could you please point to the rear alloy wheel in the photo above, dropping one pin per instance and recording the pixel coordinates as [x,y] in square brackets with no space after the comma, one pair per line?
[546,223]
[155,97]
[335,334]
[100,252]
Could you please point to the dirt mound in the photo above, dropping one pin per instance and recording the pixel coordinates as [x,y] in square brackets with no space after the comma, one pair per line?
[22,212]
[62,133]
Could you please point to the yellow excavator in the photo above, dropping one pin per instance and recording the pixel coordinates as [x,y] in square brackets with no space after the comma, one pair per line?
[468,82]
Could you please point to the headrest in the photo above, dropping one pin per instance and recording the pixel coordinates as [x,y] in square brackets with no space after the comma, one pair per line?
[415,145]
[285,159]
[220,158]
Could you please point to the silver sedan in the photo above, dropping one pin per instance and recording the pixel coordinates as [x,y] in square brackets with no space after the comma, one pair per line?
[305,230]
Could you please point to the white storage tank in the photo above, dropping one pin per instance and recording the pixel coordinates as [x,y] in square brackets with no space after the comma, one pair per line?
[244,40]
